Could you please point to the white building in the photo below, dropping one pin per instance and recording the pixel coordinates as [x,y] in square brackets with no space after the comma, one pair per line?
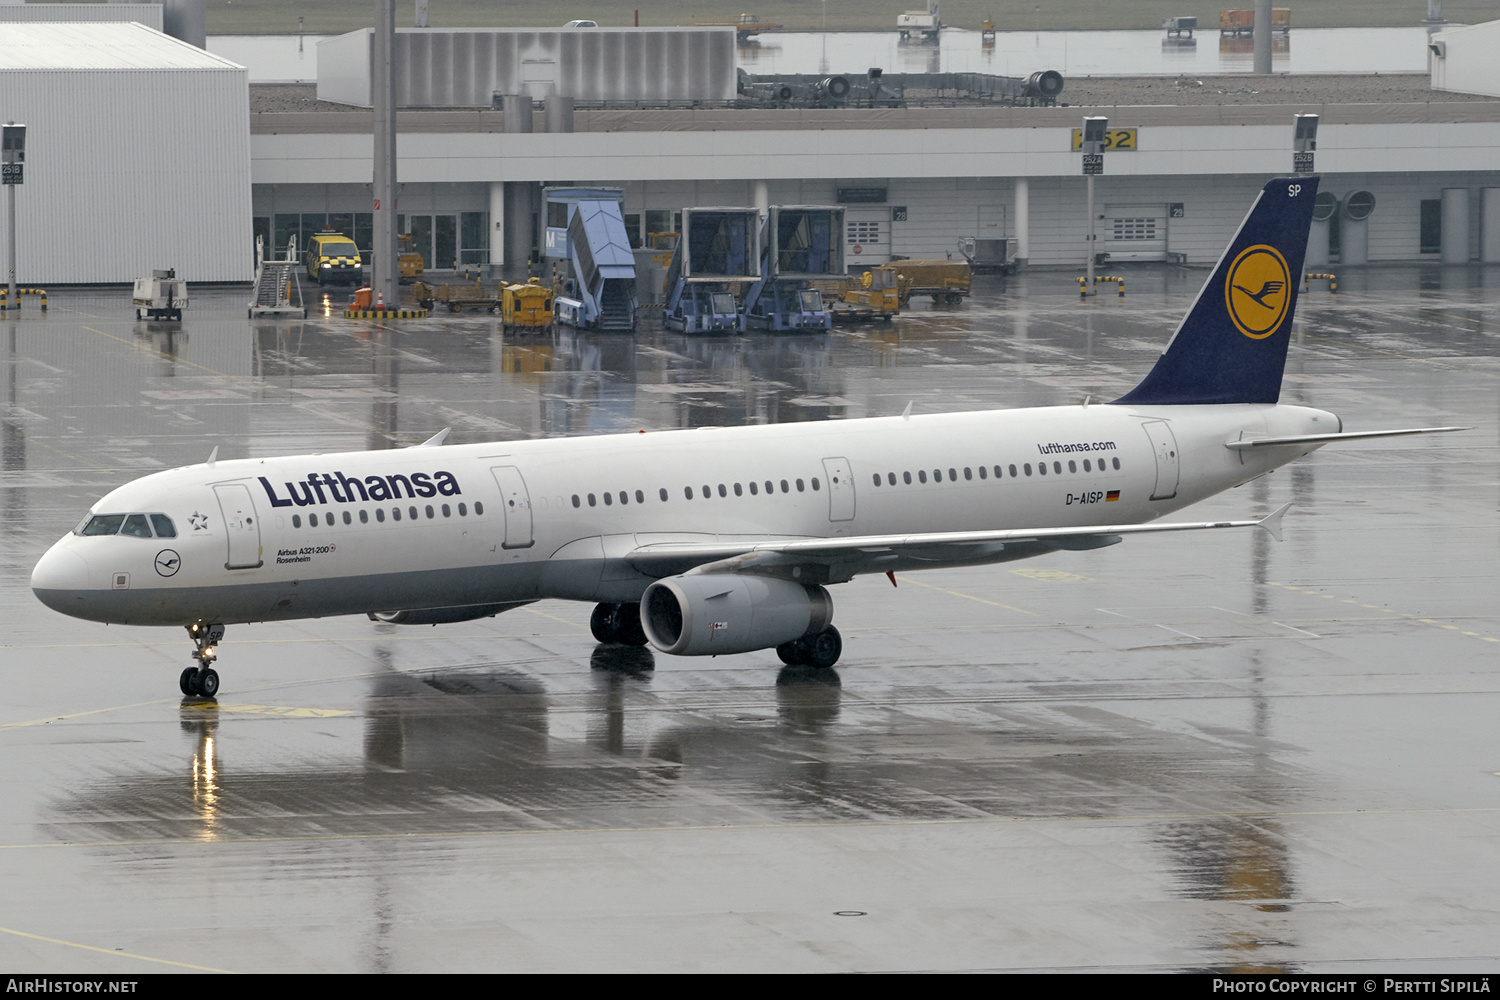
[137,154]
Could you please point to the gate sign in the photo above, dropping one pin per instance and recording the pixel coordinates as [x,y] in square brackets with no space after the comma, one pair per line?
[557,243]
[12,153]
[1115,139]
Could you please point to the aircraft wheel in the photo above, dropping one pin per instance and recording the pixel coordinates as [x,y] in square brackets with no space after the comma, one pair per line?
[188,681]
[603,622]
[824,649]
[790,652]
[628,628]
[207,683]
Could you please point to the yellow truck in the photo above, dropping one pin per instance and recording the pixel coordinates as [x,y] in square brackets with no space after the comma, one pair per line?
[947,281]
[527,306]
[408,259]
[872,295]
[333,259]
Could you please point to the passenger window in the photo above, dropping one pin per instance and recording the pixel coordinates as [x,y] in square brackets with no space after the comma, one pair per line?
[296,520]
[1086,466]
[478,508]
[784,487]
[364,517]
[890,479]
[379,515]
[663,494]
[770,487]
[640,497]
[906,476]
[722,491]
[687,491]
[1057,467]
[1012,472]
[609,500]
[800,487]
[937,475]
[395,513]
[1041,468]
[708,491]
[430,514]
[347,518]
[738,491]
[136,526]
[1027,467]
[1116,461]
[624,498]
[1072,465]
[593,502]
[877,479]
[754,489]
[952,475]
[968,473]
[463,510]
[577,502]
[312,520]
[447,511]
[815,482]
[164,526]
[921,475]
[413,512]
[984,473]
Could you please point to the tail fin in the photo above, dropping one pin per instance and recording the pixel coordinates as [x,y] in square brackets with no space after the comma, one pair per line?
[1231,347]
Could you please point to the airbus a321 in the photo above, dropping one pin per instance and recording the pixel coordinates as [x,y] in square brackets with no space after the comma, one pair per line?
[712,541]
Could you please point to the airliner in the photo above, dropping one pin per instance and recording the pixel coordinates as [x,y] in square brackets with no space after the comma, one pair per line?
[716,540]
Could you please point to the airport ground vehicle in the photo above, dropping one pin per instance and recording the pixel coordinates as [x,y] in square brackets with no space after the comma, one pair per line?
[160,296]
[331,258]
[526,306]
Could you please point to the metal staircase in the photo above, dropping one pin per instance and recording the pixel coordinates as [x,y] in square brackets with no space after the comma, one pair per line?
[276,282]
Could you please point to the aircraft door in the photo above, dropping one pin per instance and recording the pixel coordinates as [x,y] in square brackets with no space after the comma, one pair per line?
[840,489]
[1164,447]
[241,524]
[517,505]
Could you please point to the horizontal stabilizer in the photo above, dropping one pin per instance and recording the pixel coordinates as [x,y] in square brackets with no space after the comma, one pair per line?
[1294,439]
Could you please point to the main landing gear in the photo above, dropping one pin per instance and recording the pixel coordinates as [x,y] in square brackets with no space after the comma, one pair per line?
[201,679]
[819,650]
[619,623]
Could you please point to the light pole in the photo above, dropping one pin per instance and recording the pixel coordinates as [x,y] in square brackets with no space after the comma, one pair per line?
[1095,133]
[12,173]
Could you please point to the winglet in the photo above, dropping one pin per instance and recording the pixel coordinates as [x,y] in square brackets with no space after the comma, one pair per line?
[213,456]
[1272,522]
[436,439]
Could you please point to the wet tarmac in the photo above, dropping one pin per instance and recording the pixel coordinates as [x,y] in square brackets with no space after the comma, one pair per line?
[1174,754]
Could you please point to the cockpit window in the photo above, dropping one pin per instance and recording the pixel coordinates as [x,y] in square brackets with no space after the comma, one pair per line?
[136,526]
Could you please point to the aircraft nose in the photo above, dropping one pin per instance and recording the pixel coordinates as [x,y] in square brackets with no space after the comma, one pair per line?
[59,577]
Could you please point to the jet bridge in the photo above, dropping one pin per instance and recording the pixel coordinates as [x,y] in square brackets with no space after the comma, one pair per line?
[719,247]
[586,228]
[800,243]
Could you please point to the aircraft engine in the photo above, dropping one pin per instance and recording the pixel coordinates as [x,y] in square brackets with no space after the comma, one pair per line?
[443,616]
[730,613]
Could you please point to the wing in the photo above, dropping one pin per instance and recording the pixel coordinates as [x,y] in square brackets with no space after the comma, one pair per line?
[841,559]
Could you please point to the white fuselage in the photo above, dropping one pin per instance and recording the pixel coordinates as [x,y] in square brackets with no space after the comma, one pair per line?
[279,538]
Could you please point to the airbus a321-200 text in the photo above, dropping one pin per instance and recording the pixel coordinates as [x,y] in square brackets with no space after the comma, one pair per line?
[726,540]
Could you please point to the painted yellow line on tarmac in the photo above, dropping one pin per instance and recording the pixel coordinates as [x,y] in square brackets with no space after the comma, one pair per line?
[134,346]
[1388,611]
[968,597]
[280,710]
[111,951]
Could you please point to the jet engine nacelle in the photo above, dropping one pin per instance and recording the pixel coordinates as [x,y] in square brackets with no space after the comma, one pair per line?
[443,616]
[730,613]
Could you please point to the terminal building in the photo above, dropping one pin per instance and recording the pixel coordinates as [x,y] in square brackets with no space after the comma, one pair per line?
[169,157]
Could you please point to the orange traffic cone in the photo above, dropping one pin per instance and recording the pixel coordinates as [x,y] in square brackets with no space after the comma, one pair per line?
[380,301]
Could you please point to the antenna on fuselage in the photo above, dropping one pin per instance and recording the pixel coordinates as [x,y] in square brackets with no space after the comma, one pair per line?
[213,456]
[435,440]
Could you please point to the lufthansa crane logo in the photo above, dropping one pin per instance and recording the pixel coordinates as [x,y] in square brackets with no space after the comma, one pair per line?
[1257,291]
[168,562]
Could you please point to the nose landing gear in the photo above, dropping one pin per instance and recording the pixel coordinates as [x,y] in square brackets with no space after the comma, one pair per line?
[202,679]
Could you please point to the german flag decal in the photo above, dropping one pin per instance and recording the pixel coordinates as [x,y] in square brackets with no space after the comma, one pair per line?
[1111,496]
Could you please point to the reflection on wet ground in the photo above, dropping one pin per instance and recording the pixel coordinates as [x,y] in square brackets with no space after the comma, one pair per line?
[1235,755]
